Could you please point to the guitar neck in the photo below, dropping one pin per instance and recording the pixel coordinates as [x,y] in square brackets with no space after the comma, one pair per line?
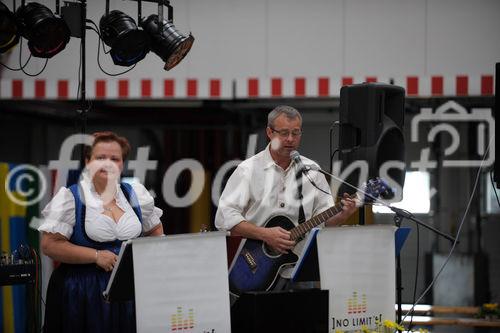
[303,228]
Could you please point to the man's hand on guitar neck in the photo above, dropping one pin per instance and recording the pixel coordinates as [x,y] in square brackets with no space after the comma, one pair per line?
[349,206]
[276,237]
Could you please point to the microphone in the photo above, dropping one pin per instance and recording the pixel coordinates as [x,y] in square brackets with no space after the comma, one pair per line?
[295,156]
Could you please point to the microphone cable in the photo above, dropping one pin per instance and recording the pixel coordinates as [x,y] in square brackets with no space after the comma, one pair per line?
[301,167]
[422,295]
[466,212]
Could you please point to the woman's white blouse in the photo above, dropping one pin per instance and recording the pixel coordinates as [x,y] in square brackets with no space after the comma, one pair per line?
[59,214]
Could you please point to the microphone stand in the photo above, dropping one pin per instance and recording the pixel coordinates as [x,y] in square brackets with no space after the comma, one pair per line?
[398,219]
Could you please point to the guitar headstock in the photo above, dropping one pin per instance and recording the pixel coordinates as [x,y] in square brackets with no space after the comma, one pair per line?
[375,188]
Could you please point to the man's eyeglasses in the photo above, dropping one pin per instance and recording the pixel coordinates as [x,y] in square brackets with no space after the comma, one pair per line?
[284,133]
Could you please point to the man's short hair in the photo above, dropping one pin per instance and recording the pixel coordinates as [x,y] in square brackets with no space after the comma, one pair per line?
[288,111]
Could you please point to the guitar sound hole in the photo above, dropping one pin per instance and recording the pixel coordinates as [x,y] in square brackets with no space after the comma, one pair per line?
[270,252]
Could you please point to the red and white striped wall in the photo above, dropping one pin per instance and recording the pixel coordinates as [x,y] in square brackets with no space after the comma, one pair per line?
[253,87]
[415,86]
[111,88]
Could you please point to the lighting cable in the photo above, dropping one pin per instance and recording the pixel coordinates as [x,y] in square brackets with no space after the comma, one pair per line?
[98,56]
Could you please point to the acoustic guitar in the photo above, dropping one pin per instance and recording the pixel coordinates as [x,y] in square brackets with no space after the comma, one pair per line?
[257,266]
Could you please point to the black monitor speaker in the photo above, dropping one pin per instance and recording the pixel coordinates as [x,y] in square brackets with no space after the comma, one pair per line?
[371,130]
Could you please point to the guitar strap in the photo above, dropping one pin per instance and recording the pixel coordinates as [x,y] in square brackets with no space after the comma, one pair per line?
[298,178]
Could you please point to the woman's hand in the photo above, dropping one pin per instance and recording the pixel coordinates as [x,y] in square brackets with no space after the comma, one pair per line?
[106,259]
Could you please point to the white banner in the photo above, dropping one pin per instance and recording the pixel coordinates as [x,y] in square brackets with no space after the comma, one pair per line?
[357,266]
[181,283]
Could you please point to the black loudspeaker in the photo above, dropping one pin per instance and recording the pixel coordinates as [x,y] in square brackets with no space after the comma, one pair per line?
[496,113]
[293,311]
[371,130]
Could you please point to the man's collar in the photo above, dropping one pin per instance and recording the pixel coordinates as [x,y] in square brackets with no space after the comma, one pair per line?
[269,161]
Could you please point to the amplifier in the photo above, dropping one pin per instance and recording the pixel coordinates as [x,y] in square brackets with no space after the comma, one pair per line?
[17,267]
[304,311]
[17,274]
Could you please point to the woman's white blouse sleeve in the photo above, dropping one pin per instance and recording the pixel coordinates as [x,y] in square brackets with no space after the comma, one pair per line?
[59,214]
[150,214]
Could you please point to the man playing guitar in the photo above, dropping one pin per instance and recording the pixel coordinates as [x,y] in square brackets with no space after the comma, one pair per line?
[270,184]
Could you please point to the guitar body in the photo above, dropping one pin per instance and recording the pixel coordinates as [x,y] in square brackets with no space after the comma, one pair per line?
[257,267]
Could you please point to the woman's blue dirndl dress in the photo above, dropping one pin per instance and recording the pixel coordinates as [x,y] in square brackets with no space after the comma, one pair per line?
[74,295]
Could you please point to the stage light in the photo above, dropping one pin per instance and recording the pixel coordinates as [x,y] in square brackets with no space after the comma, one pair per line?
[46,33]
[168,43]
[9,34]
[128,44]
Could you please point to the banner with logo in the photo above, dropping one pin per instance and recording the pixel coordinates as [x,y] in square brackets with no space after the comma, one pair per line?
[181,283]
[357,266]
